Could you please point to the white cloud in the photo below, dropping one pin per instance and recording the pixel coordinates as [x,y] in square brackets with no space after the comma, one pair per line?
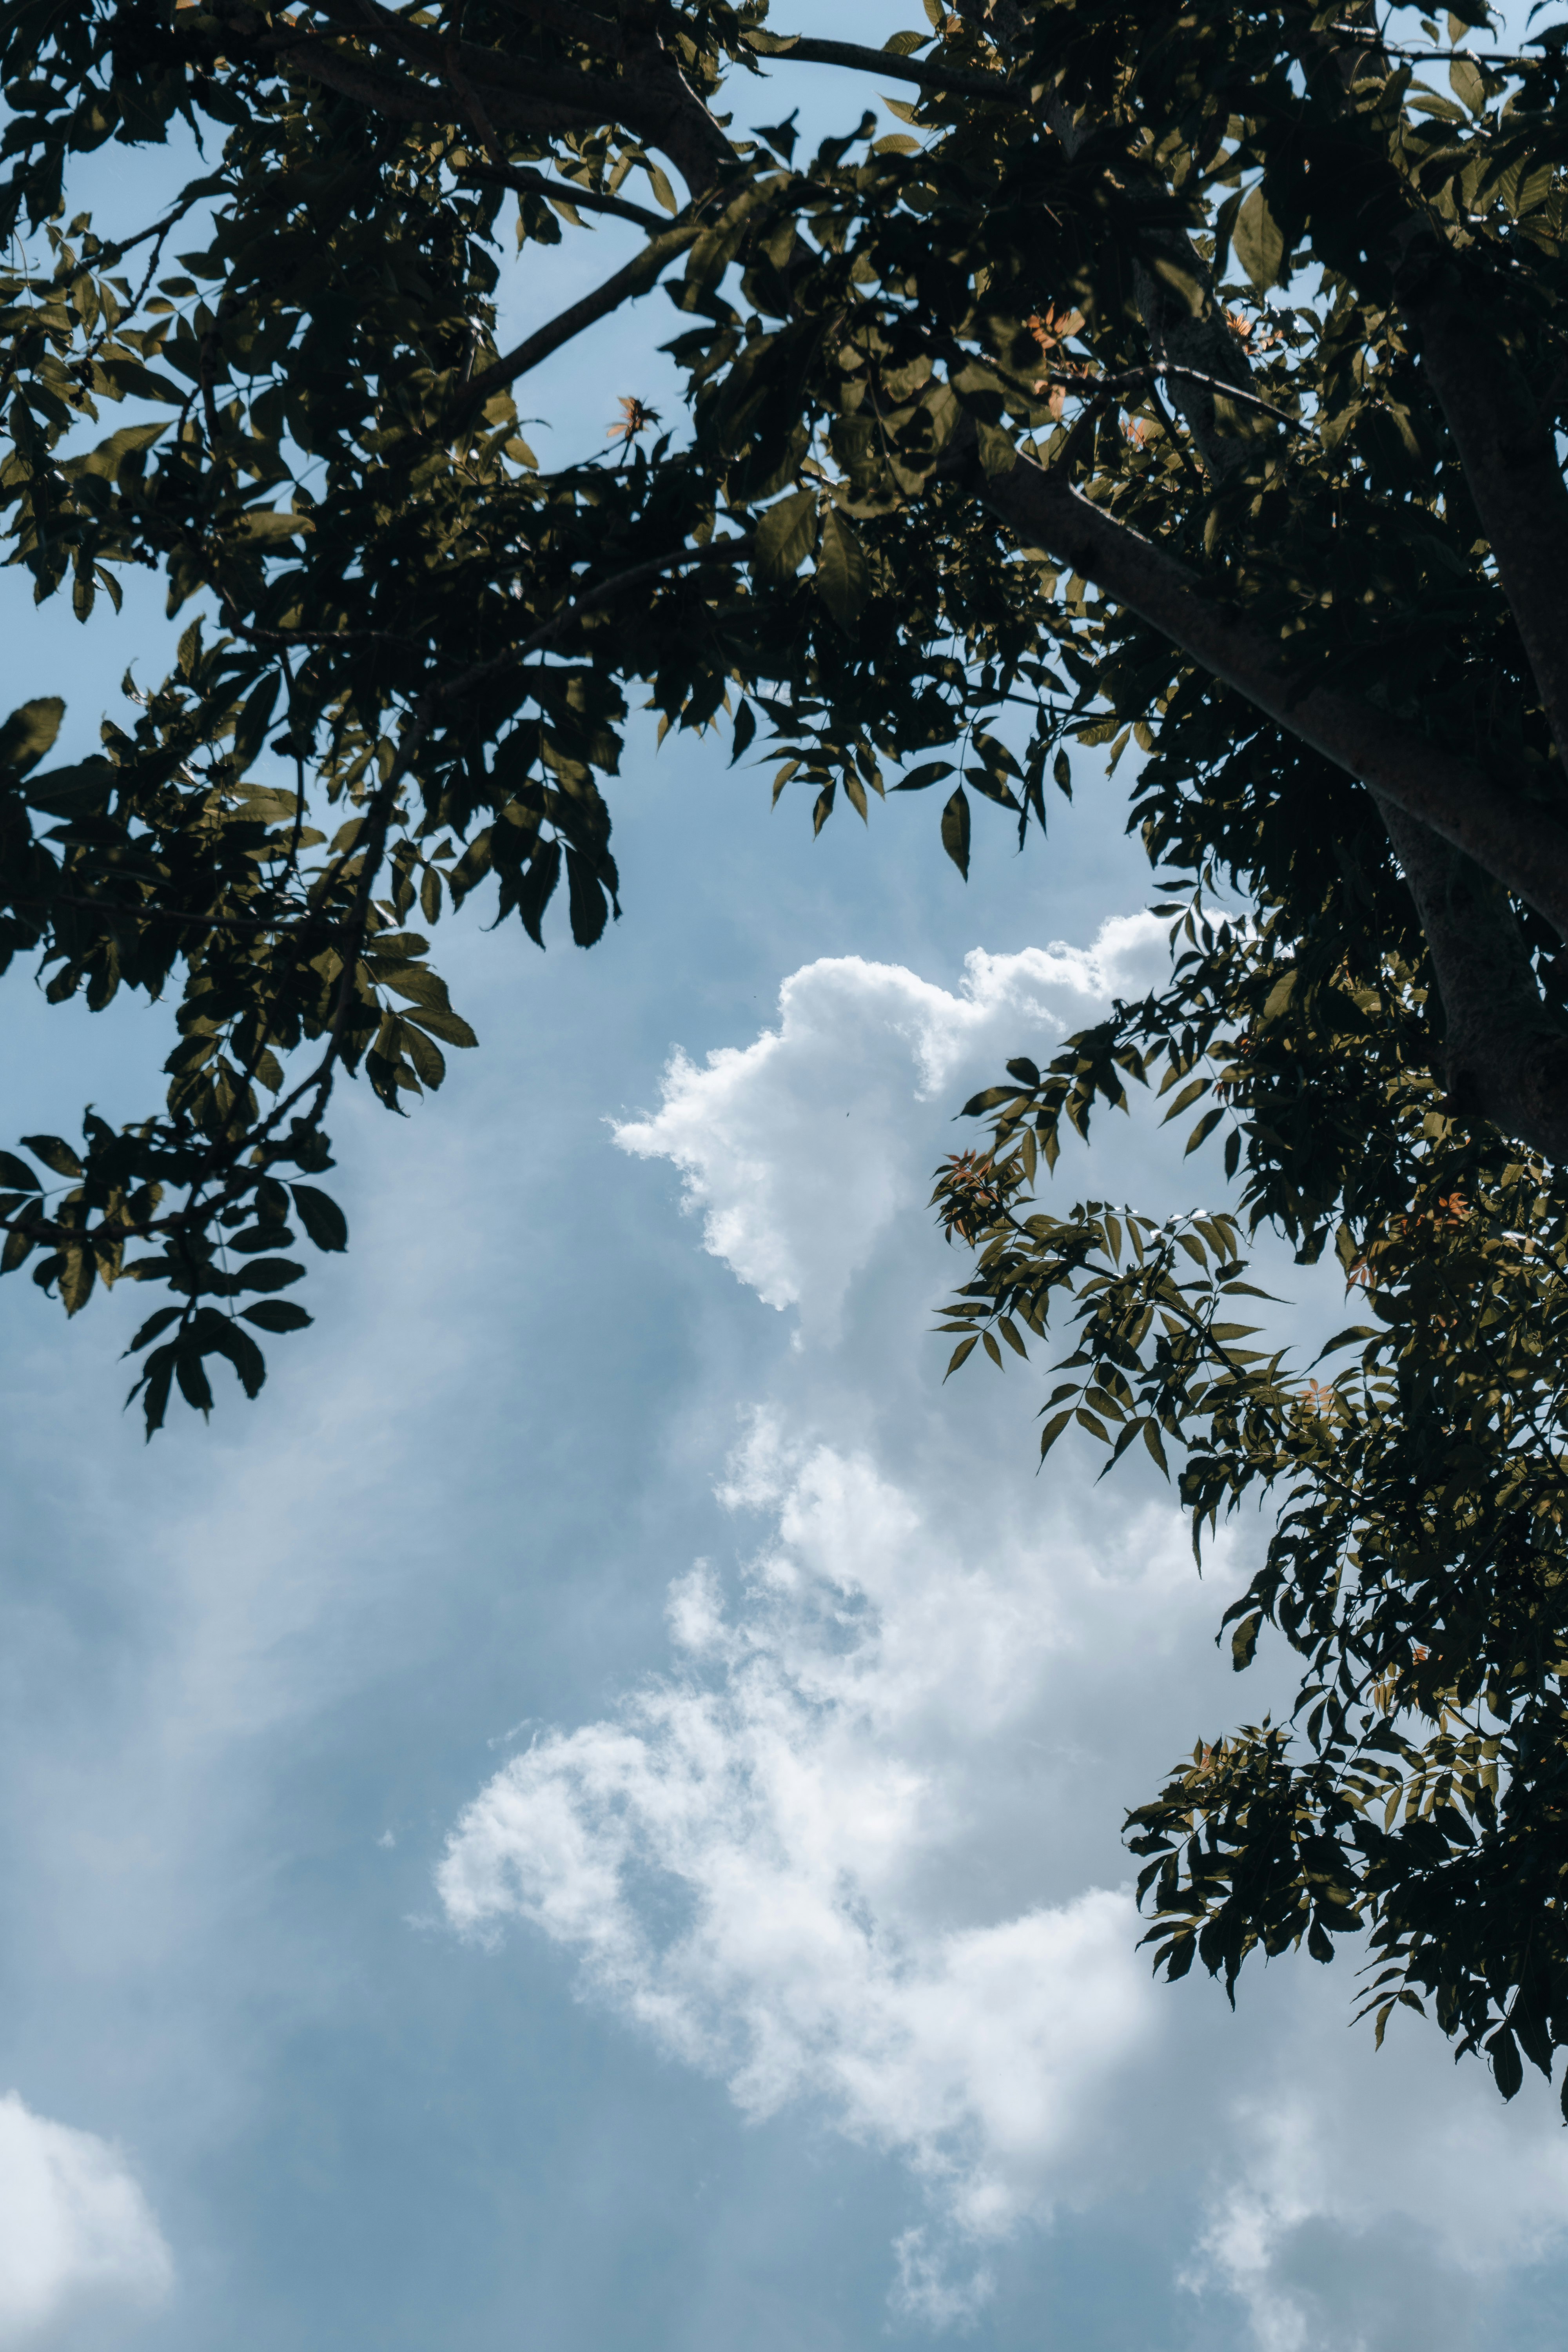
[1370,2208]
[759,1131]
[761,1857]
[857,1847]
[76,2231]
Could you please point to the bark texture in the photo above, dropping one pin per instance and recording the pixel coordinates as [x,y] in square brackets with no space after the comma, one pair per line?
[1505,1054]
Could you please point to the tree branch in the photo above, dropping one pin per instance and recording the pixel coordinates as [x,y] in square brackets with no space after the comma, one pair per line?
[595,97]
[518,177]
[1508,448]
[1166,370]
[1516,841]
[890,66]
[720,551]
[650,95]
[637,277]
[1506,1055]
[1428,56]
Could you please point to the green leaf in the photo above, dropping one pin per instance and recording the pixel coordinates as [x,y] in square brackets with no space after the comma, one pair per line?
[785,536]
[429,1065]
[29,732]
[1259,242]
[920,779]
[108,459]
[250,730]
[276,1315]
[154,1384]
[956,831]
[72,792]
[152,1326]
[1280,994]
[322,1218]
[267,1274]
[451,1026]
[588,906]
[195,1386]
[15,1175]
[54,1153]
[1244,1641]
[1467,85]
[1507,2069]
[842,574]
[78,1273]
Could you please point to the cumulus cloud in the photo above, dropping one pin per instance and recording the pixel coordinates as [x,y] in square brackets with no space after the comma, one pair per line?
[76,2231]
[857,1847]
[759,1131]
[754,1857]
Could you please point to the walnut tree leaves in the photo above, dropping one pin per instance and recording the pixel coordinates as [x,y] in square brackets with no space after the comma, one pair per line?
[1171,258]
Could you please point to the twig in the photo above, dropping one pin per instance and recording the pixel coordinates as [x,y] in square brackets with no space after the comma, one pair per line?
[523,182]
[110,253]
[263,636]
[145,913]
[1139,379]
[1190,465]
[724,550]
[637,277]
[887,63]
[1360,33]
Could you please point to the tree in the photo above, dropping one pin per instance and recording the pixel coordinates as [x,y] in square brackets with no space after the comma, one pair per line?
[1185,377]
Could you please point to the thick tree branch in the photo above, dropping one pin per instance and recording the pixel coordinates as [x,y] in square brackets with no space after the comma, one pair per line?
[599,97]
[649,95]
[1507,446]
[1506,1056]
[1518,842]
[398,97]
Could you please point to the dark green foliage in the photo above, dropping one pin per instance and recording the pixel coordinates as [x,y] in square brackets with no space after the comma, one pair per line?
[1160,392]
[1418,1559]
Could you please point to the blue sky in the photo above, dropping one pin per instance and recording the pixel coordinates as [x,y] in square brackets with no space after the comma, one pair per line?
[588,1815]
